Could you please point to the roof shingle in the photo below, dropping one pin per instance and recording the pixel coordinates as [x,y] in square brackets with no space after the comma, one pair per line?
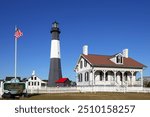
[104,61]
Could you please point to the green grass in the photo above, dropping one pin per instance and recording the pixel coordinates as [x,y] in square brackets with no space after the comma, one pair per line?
[90,96]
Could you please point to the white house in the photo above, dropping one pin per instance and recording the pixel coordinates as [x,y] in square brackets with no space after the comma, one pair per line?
[34,82]
[109,70]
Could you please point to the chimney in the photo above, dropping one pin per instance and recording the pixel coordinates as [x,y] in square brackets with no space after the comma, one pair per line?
[85,50]
[125,53]
[33,73]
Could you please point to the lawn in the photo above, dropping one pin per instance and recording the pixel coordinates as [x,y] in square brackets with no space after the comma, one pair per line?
[90,96]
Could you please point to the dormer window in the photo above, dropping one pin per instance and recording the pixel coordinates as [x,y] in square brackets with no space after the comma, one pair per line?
[119,59]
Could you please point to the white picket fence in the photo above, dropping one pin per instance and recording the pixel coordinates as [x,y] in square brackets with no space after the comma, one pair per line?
[85,89]
[0,91]
[89,89]
[53,90]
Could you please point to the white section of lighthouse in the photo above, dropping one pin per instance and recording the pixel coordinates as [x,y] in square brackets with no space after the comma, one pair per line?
[55,60]
[55,49]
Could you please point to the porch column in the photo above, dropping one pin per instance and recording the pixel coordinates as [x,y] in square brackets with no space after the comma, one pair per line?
[132,78]
[104,79]
[1,85]
[122,82]
[89,78]
[115,77]
[141,78]
[93,77]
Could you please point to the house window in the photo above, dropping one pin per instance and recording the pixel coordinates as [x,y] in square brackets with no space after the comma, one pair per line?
[32,78]
[119,59]
[86,76]
[29,83]
[85,63]
[81,64]
[35,78]
[80,77]
[34,83]
[38,83]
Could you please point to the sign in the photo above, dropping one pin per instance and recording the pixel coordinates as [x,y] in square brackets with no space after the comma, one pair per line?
[14,88]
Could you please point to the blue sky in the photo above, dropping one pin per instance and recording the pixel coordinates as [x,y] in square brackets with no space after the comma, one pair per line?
[106,26]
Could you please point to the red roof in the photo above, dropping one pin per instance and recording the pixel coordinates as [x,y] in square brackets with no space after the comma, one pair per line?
[104,61]
[61,80]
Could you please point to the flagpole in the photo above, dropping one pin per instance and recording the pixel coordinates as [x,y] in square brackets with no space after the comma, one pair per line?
[15,55]
[18,34]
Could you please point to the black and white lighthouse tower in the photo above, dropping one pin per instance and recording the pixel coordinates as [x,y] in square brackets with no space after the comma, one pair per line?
[55,60]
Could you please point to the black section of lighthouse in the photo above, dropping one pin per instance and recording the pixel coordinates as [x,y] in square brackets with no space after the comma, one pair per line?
[55,62]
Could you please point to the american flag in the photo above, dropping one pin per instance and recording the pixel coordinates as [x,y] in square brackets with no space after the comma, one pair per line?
[18,33]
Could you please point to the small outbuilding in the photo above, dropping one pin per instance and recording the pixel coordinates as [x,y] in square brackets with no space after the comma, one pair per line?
[63,82]
[34,82]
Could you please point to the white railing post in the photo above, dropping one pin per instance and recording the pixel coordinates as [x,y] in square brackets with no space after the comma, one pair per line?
[141,78]
[115,77]
[132,73]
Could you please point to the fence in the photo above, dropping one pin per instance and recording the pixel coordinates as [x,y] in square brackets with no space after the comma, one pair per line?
[53,90]
[85,89]
[89,89]
[0,90]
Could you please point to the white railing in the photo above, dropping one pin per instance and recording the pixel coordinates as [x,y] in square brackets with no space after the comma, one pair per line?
[53,90]
[137,83]
[89,89]
[146,90]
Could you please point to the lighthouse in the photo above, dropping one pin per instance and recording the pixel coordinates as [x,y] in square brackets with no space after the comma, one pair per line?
[55,60]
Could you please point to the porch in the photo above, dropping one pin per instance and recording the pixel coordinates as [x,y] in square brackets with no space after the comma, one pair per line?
[111,77]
